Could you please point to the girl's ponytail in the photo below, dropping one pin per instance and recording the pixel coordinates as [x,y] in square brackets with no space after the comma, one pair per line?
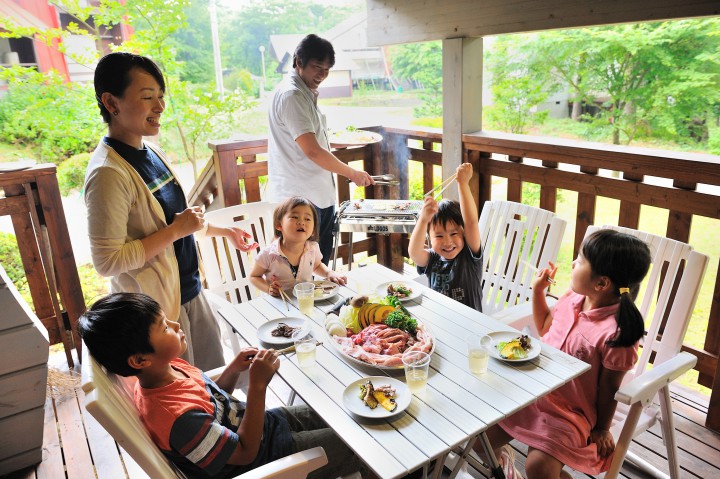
[625,260]
[630,323]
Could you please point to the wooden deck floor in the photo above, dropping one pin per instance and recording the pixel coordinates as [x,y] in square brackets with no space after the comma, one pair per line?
[75,446]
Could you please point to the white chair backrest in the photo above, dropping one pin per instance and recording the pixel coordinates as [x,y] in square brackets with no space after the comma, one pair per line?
[673,263]
[514,235]
[108,398]
[227,269]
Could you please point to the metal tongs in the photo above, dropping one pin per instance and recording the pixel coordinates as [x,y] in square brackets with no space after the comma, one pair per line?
[384,180]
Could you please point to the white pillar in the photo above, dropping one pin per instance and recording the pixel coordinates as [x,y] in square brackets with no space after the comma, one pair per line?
[216,49]
[462,65]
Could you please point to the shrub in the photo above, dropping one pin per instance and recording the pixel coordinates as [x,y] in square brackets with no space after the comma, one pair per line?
[11,262]
[58,120]
[71,173]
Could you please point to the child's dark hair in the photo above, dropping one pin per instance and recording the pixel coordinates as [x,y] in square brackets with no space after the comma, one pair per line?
[116,327]
[312,47]
[286,206]
[448,210]
[112,75]
[625,260]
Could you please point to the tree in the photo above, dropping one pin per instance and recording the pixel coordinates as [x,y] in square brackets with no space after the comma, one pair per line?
[156,24]
[421,63]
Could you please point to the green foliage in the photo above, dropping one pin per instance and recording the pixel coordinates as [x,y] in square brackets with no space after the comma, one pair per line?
[71,173]
[241,80]
[714,143]
[421,63]
[243,31]
[93,285]
[11,261]
[55,118]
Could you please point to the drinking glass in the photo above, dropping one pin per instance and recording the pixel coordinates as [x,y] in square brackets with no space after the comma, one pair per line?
[416,365]
[305,294]
[304,347]
[478,353]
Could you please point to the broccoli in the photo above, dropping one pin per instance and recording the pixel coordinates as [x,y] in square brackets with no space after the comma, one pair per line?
[401,320]
[395,302]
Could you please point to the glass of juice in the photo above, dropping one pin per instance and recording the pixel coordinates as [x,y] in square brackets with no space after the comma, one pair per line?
[478,353]
[305,347]
[305,294]
[417,364]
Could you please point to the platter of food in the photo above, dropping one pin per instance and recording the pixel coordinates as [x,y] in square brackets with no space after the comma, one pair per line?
[513,347]
[377,334]
[376,397]
[400,289]
[279,331]
[345,138]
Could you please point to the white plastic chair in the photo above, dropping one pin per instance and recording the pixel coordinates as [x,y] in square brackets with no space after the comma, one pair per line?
[515,239]
[673,263]
[227,269]
[108,398]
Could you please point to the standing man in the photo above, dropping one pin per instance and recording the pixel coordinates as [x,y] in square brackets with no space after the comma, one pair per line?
[299,159]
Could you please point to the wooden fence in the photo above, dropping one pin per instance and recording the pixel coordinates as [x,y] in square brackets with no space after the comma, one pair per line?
[684,184]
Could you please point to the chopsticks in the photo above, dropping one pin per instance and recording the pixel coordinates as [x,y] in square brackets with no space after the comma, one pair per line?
[549,279]
[285,298]
[444,185]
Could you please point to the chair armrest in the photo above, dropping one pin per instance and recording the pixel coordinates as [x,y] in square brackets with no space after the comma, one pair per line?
[644,387]
[294,466]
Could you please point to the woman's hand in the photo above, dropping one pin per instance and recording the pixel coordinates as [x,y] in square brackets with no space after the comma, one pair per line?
[237,237]
[263,367]
[189,221]
[336,278]
[604,440]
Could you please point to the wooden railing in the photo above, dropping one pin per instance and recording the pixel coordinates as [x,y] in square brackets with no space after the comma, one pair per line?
[684,184]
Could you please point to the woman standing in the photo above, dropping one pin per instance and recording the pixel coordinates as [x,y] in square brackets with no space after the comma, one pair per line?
[140,226]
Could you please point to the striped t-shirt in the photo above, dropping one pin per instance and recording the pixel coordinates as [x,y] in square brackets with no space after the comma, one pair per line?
[195,423]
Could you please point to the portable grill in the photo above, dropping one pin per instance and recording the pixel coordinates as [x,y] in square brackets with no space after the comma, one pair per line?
[374,216]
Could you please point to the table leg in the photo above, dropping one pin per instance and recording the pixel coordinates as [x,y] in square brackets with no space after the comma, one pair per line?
[350,254]
[495,468]
[337,244]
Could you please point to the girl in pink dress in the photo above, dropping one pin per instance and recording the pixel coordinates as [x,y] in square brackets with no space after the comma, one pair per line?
[596,321]
[294,257]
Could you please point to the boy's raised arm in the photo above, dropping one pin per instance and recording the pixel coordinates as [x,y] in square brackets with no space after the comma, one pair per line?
[416,247]
[467,208]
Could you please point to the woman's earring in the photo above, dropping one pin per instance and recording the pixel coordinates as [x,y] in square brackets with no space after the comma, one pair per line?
[115,113]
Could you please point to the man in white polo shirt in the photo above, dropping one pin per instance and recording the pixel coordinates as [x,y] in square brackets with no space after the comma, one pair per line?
[299,159]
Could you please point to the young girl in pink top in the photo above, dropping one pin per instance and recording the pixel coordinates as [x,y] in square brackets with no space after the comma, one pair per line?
[294,256]
[596,321]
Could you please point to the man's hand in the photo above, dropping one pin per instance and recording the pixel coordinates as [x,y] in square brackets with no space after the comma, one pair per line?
[237,237]
[189,221]
[361,178]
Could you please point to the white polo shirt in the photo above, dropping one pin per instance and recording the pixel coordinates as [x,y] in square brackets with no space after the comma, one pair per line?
[294,112]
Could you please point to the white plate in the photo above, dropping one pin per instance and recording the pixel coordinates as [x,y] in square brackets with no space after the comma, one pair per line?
[355,405]
[342,139]
[415,288]
[264,332]
[353,360]
[505,336]
[17,165]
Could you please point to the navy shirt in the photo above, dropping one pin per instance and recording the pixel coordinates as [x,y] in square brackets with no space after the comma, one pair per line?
[459,278]
[165,188]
